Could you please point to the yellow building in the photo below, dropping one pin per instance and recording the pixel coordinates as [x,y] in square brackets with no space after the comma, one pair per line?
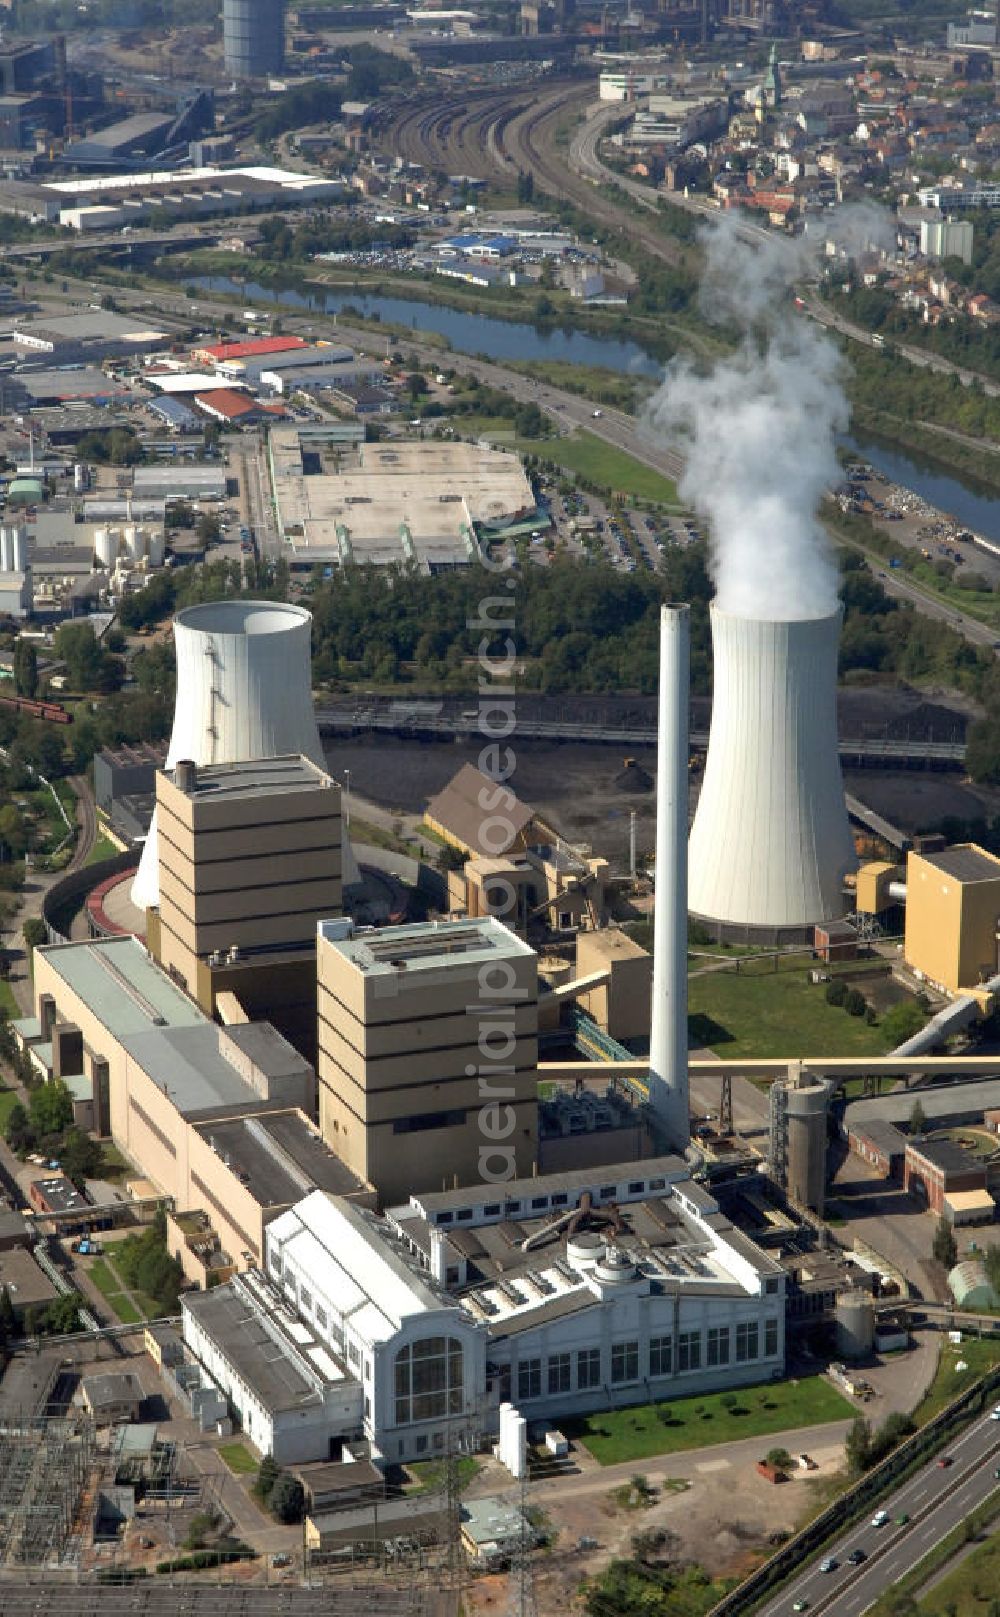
[952,916]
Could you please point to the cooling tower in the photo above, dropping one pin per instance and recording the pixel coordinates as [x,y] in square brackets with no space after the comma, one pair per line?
[243,691]
[668,1044]
[771,844]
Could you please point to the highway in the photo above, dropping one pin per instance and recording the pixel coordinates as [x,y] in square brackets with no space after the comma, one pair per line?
[936,1501]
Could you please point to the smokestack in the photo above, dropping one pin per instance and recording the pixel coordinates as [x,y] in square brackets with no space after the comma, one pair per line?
[243,691]
[771,844]
[668,1044]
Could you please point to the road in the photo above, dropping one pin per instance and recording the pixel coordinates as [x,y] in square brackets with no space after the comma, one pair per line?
[38,884]
[936,1501]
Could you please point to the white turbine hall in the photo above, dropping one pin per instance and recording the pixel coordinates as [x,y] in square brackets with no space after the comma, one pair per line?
[771,844]
[243,691]
[668,1042]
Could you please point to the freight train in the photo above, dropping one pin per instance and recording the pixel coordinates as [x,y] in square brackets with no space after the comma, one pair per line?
[53,712]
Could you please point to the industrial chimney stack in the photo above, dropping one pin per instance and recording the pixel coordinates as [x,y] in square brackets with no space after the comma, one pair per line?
[668,1044]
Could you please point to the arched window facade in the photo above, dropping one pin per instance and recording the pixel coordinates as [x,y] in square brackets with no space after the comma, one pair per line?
[428,1379]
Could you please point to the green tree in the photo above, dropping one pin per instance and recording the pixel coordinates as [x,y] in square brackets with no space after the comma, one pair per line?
[25,668]
[855,1003]
[81,1156]
[34,932]
[268,1473]
[8,1318]
[77,646]
[780,1459]
[287,1498]
[857,1446]
[51,1108]
[416,386]
[991,1261]
[944,1245]
[836,992]
[14,834]
[19,1134]
[902,1021]
[982,750]
[61,1317]
[918,1118]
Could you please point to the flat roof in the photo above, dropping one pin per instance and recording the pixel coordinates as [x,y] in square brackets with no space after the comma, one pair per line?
[265,1344]
[191,1065]
[251,348]
[259,777]
[666,1168]
[884,1136]
[969,1201]
[24,1280]
[114,1387]
[93,325]
[122,986]
[61,1195]
[943,1154]
[941,1105]
[425,945]
[279,1157]
[966,862]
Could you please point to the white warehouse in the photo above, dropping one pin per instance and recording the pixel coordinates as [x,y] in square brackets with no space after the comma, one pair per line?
[564,1293]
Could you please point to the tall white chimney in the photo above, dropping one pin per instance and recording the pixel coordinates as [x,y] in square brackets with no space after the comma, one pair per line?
[668,1042]
[243,691]
[771,843]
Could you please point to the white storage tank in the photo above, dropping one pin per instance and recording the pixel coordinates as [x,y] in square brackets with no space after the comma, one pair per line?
[6,550]
[156,548]
[854,1320]
[106,546]
[134,540]
[19,549]
[81,478]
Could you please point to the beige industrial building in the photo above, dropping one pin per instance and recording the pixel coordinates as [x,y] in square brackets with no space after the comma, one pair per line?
[428,1053]
[953,917]
[396,503]
[217,1119]
[249,862]
[621,1003]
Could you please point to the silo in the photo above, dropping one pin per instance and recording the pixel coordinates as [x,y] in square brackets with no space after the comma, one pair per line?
[155,547]
[106,546]
[134,541]
[854,1322]
[243,691]
[771,844]
[6,549]
[81,478]
[19,549]
[806,1100]
[253,37]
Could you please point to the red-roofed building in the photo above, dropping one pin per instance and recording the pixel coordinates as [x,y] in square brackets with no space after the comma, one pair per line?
[226,404]
[252,348]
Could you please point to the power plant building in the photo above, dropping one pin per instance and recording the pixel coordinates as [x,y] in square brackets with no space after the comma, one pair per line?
[953,917]
[243,692]
[771,844]
[253,37]
[561,1293]
[428,1053]
[249,861]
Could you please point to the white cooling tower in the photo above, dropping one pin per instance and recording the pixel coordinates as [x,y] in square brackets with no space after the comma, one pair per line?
[771,844]
[106,546]
[243,691]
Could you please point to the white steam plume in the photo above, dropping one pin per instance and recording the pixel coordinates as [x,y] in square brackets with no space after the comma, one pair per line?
[758,433]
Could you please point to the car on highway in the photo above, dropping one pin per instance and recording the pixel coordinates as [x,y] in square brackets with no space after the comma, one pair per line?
[801,1605]
[902,1520]
[829,1564]
[597,414]
[880,1518]
[945,1460]
[856,1557]
[995,1414]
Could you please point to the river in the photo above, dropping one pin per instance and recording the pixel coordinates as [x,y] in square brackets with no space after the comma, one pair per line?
[468,333]
[513,339]
[963,501]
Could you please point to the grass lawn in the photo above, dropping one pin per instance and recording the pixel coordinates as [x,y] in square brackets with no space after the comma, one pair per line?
[8,1100]
[110,1288]
[103,848]
[429,1474]
[774,1014]
[603,464]
[239,1459]
[967,1591]
[7,1001]
[694,1423]
[979,1353]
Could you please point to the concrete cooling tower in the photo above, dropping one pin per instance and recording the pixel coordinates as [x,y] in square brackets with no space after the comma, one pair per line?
[243,691]
[771,844]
